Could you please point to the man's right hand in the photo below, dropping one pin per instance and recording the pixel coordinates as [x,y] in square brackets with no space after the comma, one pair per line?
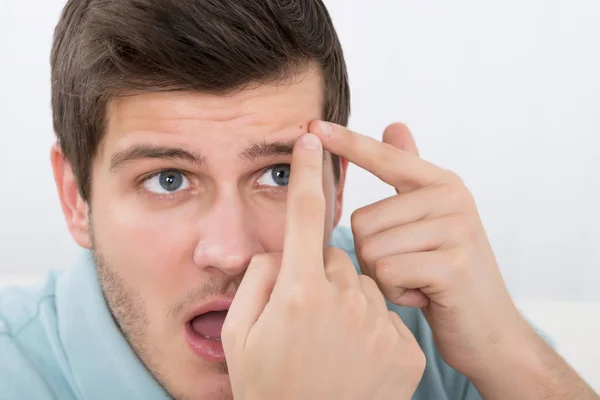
[304,324]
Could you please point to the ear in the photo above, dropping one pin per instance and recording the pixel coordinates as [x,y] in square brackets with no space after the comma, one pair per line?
[339,191]
[398,135]
[74,208]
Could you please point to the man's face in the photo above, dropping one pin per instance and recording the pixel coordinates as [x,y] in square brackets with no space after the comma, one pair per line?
[186,188]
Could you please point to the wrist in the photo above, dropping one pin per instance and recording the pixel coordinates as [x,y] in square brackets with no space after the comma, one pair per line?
[514,357]
[530,369]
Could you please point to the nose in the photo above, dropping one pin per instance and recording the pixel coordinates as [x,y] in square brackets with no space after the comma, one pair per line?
[227,238]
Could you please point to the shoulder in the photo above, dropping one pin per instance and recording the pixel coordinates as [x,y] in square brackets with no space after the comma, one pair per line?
[20,377]
[28,365]
[20,305]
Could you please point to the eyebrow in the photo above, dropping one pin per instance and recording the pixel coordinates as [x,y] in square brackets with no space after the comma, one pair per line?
[250,154]
[264,149]
[140,152]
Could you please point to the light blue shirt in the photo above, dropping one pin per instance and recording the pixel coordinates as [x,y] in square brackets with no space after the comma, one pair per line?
[59,341]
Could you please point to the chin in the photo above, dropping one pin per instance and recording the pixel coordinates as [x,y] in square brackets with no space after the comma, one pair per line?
[215,387]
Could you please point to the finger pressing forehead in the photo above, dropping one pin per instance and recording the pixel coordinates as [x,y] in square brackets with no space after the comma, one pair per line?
[305,219]
[392,165]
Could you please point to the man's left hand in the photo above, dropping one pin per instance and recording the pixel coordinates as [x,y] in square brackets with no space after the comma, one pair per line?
[426,247]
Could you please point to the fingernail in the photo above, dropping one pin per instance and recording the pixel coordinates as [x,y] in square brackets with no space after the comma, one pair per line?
[310,141]
[325,128]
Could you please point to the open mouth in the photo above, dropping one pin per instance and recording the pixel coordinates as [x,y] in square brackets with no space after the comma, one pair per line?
[209,325]
[203,332]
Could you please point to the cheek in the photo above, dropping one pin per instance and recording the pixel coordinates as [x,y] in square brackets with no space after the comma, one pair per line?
[268,219]
[151,252]
[150,244]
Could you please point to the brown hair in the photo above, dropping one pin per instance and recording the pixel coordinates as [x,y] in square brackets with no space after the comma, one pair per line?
[103,48]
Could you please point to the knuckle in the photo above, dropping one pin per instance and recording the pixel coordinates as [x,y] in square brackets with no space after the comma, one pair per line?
[335,255]
[354,307]
[461,226]
[368,250]
[390,334]
[383,269]
[366,281]
[455,193]
[459,265]
[300,300]
[453,178]
[357,221]
[383,336]
[451,193]
[373,287]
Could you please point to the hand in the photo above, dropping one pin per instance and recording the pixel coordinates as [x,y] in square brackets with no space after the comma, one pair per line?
[306,326]
[426,247]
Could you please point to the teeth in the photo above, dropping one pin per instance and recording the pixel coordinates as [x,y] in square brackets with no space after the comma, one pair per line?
[212,338]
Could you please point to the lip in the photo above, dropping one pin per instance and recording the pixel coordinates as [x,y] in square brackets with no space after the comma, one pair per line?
[210,350]
[218,304]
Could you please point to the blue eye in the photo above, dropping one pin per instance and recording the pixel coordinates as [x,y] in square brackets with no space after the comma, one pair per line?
[277,175]
[166,182]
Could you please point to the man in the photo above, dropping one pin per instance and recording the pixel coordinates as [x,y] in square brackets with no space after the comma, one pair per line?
[200,161]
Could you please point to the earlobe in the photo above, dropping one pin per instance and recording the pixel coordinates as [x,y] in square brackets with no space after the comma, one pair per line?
[74,208]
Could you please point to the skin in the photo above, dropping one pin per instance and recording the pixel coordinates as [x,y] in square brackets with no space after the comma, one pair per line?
[159,258]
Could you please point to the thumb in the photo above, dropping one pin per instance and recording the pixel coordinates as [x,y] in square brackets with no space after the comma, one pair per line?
[399,136]
[250,300]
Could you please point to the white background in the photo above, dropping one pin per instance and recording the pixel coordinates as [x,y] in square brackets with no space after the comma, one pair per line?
[507,94]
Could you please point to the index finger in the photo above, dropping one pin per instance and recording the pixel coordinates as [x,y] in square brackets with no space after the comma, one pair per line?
[305,215]
[392,165]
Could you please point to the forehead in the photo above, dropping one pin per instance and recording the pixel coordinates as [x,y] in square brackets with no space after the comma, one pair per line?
[256,113]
